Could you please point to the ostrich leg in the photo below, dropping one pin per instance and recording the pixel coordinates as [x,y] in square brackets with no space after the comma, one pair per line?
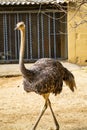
[41,114]
[55,120]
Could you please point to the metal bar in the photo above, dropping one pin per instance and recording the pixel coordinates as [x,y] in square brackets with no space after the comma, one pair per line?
[15,18]
[42,32]
[18,37]
[30,11]
[38,35]
[4,33]
[6,38]
[10,37]
[49,37]
[30,30]
[54,35]
[66,38]
[27,35]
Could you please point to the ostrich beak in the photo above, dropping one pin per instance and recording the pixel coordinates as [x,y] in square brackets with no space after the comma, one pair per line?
[15,28]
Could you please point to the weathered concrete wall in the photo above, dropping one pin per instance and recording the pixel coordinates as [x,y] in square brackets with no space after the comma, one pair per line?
[77,39]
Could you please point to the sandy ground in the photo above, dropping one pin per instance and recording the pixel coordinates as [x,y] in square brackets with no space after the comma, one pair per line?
[19,110]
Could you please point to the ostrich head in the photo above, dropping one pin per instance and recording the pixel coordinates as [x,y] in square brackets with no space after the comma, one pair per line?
[20,26]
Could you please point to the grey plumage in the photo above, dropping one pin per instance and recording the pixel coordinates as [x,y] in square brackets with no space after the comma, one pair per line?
[47,77]
[44,77]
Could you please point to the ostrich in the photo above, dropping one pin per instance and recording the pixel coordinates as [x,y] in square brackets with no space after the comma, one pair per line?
[44,77]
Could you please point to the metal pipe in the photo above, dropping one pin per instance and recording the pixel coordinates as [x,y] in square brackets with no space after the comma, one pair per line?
[16,37]
[4,34]
[5,37]
[54,30]
[30,30]
[30,11]
[49,37]
[38,35]
[42,32]
[27,36]
[10,40]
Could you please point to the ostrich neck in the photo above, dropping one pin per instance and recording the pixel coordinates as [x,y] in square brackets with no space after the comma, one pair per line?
[22,49]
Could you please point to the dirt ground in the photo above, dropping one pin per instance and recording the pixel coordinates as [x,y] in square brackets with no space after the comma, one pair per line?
[19,110]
